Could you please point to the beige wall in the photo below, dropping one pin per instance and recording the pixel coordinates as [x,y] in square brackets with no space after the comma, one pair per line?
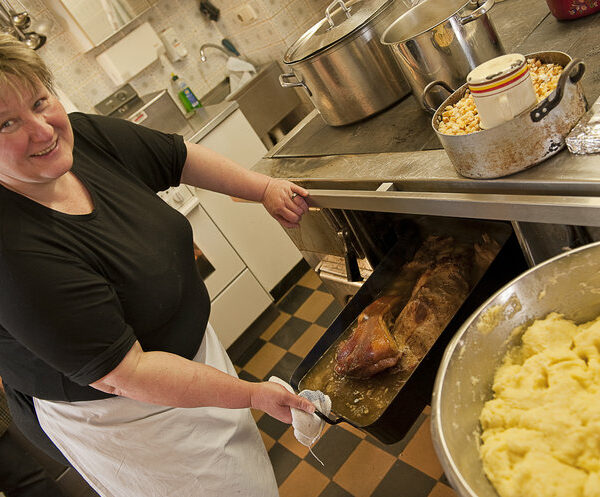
[279,24]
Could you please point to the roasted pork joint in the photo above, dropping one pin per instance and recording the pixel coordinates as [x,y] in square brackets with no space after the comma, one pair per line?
[371,348]
[384,337]
[437,296]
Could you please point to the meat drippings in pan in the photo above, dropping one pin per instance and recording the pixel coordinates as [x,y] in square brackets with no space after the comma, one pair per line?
[416,306]
[383,339]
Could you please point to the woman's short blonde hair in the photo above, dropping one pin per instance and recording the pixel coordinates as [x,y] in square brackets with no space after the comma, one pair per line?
[20,65]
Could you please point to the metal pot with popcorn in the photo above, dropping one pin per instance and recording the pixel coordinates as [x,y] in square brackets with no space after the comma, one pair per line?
[493,127]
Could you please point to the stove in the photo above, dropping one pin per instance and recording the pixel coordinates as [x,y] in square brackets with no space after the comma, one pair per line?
[403,127]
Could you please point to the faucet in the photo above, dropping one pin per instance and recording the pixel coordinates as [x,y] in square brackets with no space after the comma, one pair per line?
[212,45]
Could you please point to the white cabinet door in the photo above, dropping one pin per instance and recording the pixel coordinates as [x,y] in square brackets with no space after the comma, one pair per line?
[237,307]
[217,250]
[260,240]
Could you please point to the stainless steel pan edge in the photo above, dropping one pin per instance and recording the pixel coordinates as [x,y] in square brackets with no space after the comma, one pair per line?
[396,420]
[569,284]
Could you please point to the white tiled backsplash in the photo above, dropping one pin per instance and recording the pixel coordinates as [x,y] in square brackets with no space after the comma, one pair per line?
[279,23]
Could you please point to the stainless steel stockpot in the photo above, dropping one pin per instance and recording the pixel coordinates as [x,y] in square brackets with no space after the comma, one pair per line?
[442,41]
[347,73]
[527,139]
[568,284]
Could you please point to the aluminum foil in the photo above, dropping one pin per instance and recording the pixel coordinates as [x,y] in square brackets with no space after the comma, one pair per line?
[584,138]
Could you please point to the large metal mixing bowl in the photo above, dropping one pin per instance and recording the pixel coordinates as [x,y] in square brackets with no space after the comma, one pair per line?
[568,284]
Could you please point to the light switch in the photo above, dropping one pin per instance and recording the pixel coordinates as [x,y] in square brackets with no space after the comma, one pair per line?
[246,14]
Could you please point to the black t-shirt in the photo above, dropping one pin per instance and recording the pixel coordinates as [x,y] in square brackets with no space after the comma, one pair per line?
[78,290]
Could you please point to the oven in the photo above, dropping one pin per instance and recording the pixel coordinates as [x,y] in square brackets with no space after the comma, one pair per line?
[368,180]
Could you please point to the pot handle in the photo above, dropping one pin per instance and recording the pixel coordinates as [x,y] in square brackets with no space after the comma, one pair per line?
[285,84]
[574,72]
[331,6]
[478,12]
[428,89]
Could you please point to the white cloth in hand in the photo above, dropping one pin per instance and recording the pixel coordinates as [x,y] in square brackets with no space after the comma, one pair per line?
[307,427]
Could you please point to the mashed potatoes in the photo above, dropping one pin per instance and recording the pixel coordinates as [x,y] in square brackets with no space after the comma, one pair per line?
[541,431]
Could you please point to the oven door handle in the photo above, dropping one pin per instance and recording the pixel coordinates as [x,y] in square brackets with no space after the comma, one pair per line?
[555,209]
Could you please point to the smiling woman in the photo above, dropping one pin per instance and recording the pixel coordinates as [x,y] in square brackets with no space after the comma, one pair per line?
[36,144]
[108,359]
[36,139]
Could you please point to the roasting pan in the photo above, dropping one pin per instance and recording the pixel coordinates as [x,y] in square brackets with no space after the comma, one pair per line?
[394,422]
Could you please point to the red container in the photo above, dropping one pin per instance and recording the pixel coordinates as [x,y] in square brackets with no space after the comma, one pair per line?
[572,9]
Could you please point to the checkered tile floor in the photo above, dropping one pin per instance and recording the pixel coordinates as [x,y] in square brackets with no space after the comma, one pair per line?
[356,464]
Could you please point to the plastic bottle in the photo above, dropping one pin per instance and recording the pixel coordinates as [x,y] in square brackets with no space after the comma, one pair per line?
[189,101]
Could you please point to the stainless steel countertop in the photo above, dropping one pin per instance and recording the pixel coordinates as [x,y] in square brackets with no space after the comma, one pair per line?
[208,118]
[404,127]
[563,189]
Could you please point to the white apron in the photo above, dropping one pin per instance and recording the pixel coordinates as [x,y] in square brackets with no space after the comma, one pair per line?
[127,448]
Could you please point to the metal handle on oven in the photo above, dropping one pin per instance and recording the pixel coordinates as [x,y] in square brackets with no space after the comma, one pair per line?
[583,210]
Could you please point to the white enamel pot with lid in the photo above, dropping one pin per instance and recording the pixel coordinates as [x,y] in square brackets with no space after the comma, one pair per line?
[340,63]
[438,42]
[502,88]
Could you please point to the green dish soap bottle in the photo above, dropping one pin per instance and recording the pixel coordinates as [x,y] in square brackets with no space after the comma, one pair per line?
[186,96]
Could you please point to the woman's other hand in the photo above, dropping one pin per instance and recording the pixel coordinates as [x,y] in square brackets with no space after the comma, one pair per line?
[285,201]
[276,401]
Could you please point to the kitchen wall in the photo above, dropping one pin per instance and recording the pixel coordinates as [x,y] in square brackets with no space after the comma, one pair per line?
[279,24]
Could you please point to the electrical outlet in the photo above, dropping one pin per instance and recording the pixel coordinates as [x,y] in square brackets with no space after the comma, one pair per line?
[246,14]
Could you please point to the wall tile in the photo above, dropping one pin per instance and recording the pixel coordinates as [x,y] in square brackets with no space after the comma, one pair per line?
[46,23]
[275,6]
[32,6]
[280,23]
[284,23]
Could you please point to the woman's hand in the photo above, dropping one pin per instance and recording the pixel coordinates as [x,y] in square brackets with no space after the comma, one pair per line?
[276,401]
[284,200]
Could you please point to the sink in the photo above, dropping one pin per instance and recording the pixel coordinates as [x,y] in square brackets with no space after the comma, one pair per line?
[217,94]
[262,100]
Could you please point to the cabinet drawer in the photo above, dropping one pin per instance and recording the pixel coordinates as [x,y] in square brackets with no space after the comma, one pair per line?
[217,250]
[237,307]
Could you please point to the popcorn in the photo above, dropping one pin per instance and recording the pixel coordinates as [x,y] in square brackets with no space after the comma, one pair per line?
[462,118]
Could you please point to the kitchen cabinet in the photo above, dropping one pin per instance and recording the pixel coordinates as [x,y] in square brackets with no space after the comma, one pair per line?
[217,250]
[237,298]
[94,21]
[249,251]
[259,240]
[233,310]
[230,284]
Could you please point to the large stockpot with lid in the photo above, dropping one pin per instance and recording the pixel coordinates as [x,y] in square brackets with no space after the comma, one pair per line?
[526,140]
[442,40]
[347,73]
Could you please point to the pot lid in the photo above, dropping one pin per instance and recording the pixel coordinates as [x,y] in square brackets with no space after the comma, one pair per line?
[425,15]
[341,19]
[496,69]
